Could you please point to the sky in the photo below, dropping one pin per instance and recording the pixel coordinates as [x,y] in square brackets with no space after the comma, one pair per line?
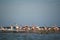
[29,12]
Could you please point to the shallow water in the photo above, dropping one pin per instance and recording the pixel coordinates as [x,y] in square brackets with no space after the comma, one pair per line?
[28,36]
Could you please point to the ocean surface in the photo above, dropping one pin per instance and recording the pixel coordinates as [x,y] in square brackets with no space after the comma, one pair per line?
[28,36]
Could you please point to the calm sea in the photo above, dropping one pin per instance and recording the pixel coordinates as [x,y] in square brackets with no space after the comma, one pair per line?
[28,36]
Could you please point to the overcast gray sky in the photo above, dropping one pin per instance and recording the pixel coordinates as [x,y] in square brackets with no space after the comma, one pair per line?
[28,12]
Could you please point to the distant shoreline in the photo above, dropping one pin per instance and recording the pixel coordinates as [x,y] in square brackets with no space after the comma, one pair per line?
[38,32]
[27,29]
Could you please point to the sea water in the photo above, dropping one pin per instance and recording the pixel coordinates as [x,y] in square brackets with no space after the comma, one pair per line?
[28,36]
